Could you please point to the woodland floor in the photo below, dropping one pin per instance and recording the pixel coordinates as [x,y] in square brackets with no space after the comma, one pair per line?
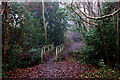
[64,68]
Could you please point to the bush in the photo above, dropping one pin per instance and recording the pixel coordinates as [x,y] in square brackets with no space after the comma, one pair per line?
[19,59]
[15,61]
[102,73]
[94,49]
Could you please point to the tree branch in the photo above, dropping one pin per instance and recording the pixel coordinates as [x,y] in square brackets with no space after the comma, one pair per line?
[102,17]
[2,11]
[98,18]
[92,23]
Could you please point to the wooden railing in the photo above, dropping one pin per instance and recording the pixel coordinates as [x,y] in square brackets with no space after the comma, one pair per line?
[46,49]
[59,49]
[49,48]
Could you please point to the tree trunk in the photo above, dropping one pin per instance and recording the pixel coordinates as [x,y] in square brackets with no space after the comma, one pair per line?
[114,26]
[44,22]
[102,37]
[6,33]
[117,34]
[104,45]
[22,31]
[85,17]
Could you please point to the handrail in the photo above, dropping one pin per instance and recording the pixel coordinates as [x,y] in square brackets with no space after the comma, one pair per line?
[59,49]
[46,49]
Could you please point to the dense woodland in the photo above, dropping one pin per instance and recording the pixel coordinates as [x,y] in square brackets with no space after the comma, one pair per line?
[29,26]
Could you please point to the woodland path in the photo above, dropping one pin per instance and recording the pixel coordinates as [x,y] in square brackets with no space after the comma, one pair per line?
[71,47]
[52,69]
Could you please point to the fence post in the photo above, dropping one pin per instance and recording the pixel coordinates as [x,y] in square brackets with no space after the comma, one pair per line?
[56,53]
[60,49]
[42,55]
[44,49]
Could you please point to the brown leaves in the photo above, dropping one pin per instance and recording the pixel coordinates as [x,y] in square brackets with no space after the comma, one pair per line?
[64,69]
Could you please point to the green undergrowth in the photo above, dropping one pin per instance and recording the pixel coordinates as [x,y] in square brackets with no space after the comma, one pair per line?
[101,71]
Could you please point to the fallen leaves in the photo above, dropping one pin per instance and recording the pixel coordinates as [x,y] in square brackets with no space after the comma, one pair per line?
[64,69]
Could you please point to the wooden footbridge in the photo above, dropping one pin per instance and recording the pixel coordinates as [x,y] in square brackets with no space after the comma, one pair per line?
[50,48]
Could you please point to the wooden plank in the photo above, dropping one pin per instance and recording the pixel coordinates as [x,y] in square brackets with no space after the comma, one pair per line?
[49,45]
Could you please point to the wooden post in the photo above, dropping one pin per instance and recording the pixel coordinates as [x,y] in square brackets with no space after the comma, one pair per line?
[48,48]
[42,55]
[44,49]
[52,46]
[56,53]
[60,49]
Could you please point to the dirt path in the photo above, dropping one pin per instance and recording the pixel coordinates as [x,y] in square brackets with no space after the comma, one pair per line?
[62,69]
[51,69]
[75,45]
